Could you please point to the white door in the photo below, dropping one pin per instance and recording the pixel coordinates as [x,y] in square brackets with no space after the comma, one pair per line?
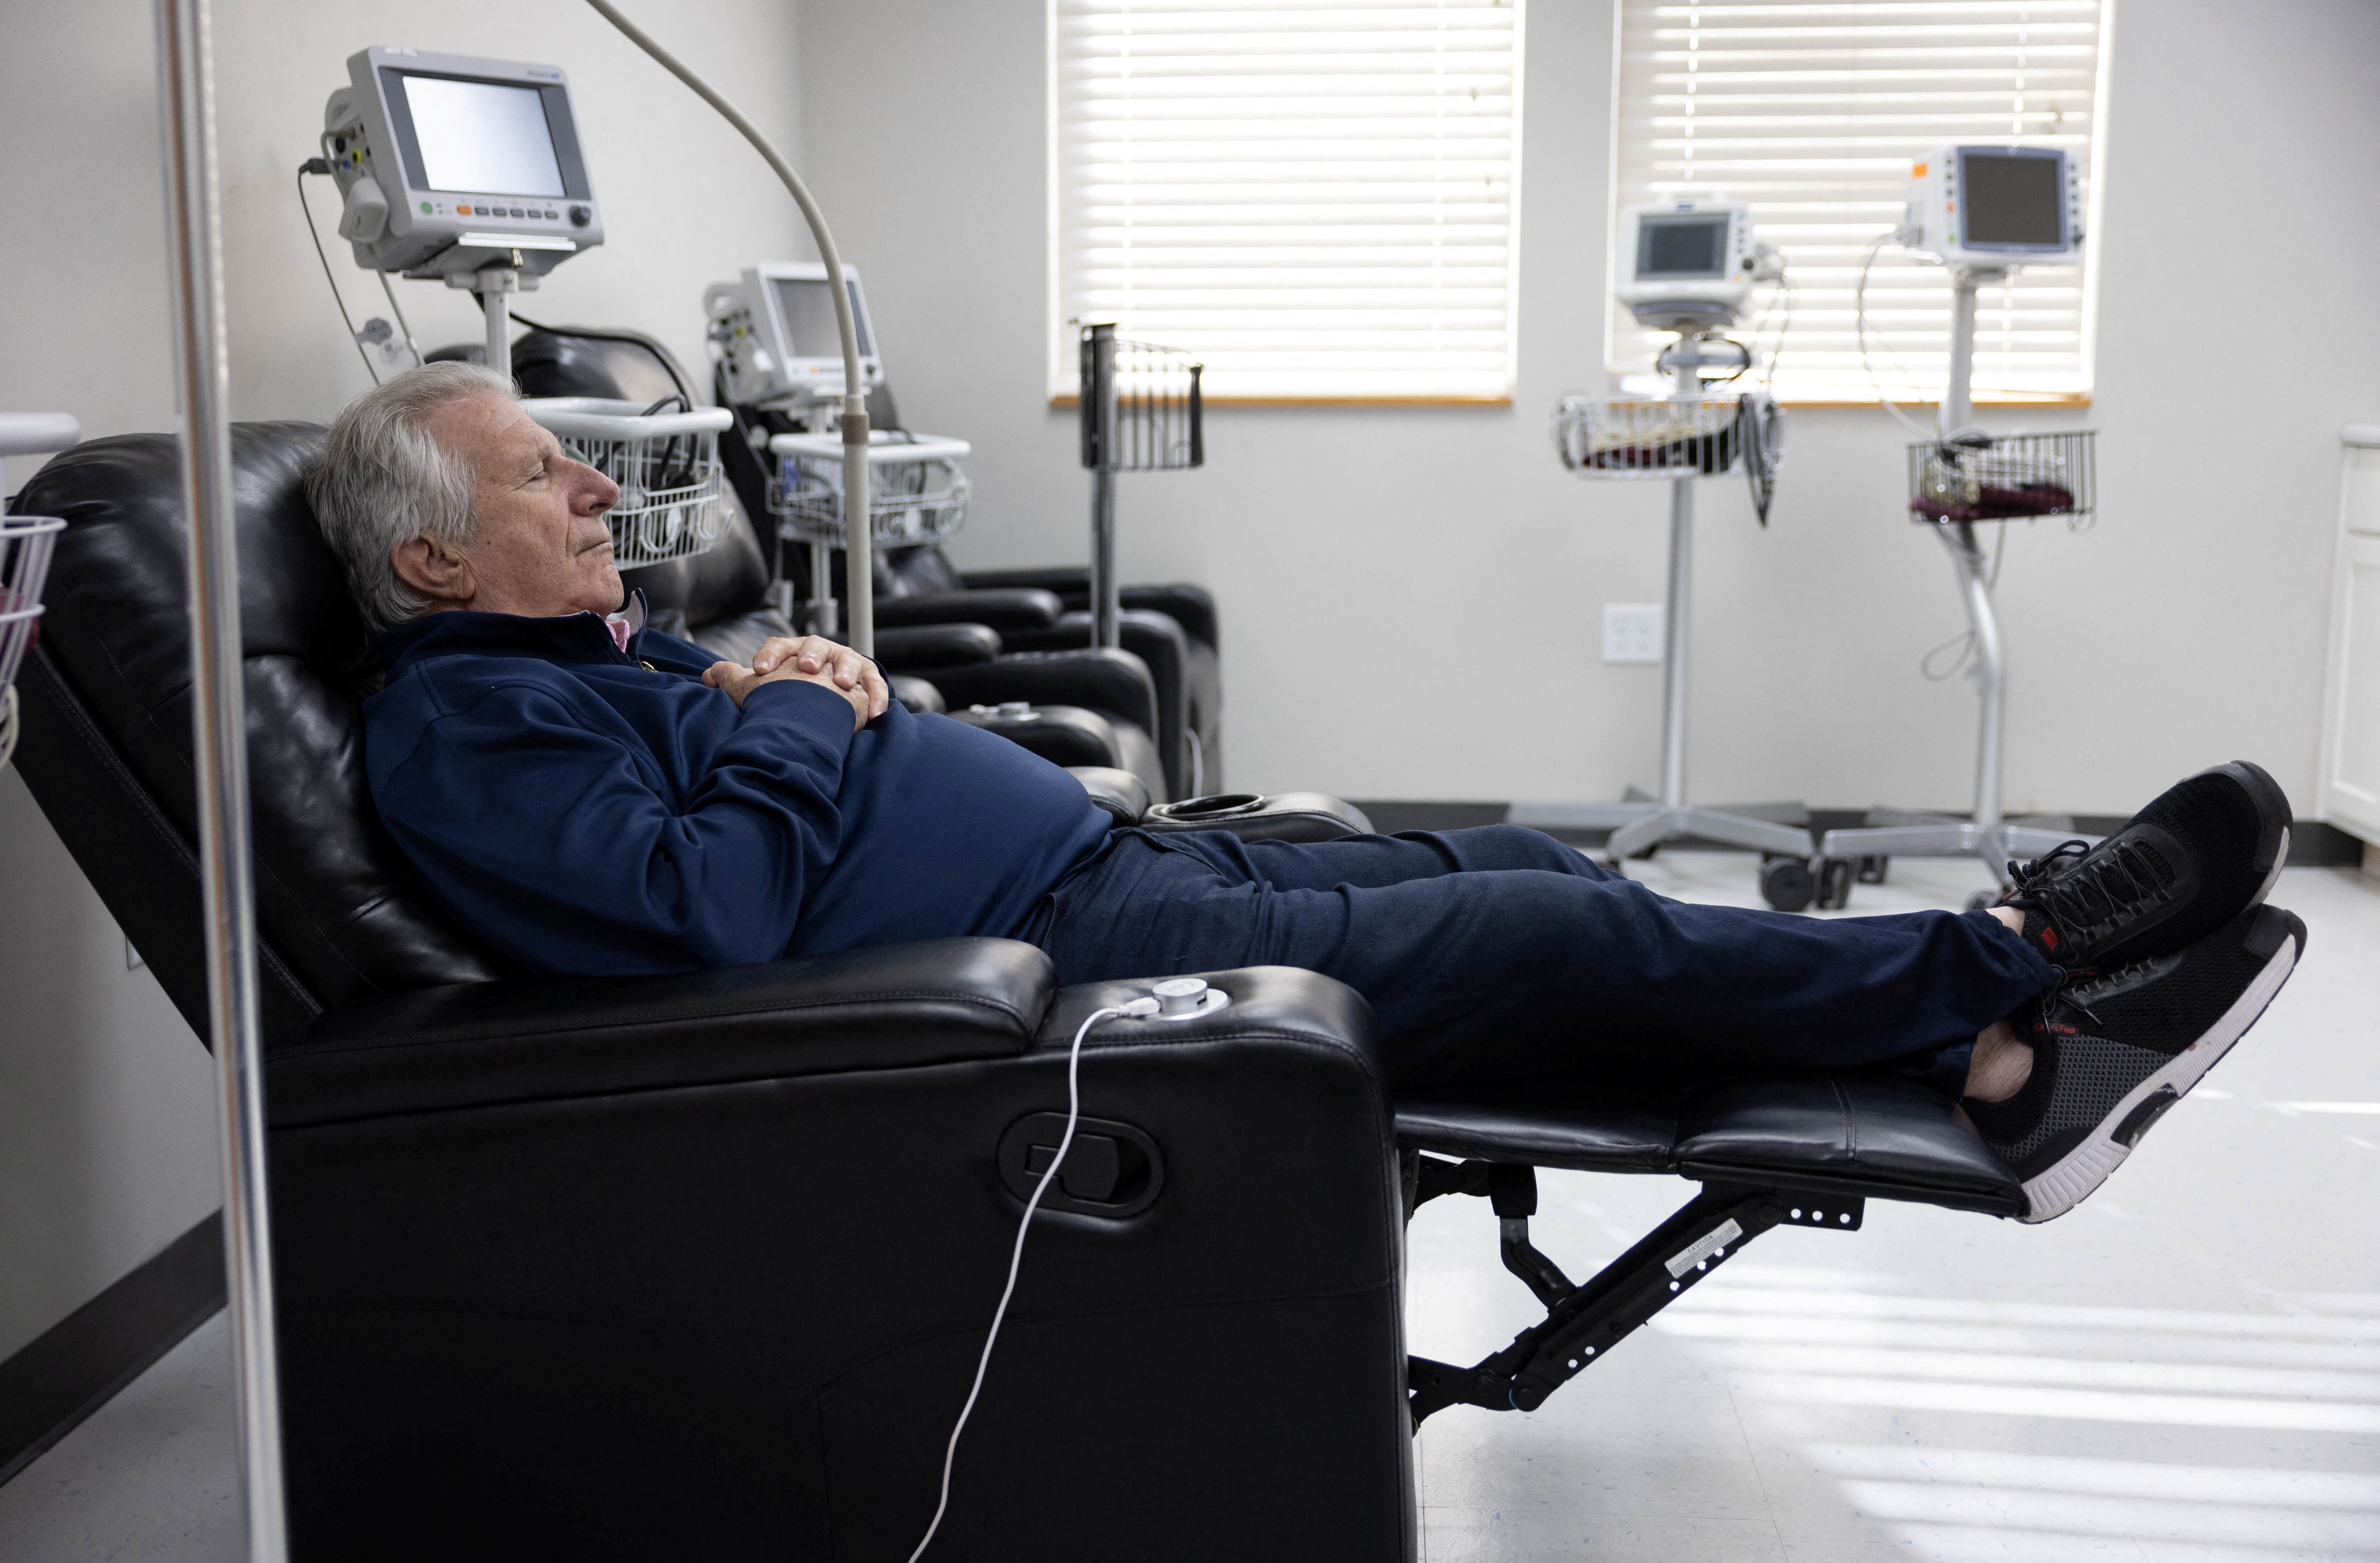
[2350,778]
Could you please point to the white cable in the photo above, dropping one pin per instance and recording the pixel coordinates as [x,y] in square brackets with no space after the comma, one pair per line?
[401,323]
[1859,320]
[1016,1254]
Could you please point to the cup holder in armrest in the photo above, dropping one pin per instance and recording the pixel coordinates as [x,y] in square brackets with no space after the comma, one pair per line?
[1219,806]
[1281,816]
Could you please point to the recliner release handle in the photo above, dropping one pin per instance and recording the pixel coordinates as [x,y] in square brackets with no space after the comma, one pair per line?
[1112,1169]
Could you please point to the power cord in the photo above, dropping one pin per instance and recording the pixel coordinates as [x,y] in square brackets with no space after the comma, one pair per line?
[323,165]
[1962,645]
[401,323]
[1859,320]
[635,338]
[1138,1007]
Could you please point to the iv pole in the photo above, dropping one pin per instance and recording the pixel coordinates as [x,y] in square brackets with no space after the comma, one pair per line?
[219,723]
[858,537]
[1986,835]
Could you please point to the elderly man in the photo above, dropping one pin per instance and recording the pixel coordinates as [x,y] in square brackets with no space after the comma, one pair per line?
[591,796]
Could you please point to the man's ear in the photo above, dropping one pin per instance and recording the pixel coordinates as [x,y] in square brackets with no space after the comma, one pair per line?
[436,569]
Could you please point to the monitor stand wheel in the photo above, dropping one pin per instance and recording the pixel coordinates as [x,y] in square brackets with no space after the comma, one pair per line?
[1787,884]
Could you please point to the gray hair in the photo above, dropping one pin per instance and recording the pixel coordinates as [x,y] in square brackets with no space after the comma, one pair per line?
[383,480]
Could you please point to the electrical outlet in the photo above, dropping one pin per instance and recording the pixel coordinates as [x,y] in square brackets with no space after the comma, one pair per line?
[1632,632]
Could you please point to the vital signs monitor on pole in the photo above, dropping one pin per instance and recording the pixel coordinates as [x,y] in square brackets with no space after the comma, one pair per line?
[448,163]
[464,169]
[1984,212]
[776,333]
[1995,207]
[1688,265]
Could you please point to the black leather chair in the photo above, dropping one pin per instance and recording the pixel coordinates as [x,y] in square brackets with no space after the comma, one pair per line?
[698,1265]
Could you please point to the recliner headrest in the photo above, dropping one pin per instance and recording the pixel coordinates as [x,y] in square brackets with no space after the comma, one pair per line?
[335,897]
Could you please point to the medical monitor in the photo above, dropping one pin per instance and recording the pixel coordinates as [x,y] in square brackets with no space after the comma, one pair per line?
[451,164]
[1676,248]
[1996,207]
[777,337]
[1687,264]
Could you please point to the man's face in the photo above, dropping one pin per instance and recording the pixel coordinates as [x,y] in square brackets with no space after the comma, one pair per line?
[542,548]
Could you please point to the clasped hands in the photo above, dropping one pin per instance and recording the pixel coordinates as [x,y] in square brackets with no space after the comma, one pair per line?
[813,659]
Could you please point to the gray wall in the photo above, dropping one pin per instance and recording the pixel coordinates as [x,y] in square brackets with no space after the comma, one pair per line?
[1412,595]
[107,1147]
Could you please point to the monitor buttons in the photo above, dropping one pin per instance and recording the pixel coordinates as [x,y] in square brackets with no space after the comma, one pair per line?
[580,217]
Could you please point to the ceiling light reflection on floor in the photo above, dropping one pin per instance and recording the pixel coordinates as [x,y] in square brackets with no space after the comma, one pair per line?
[2289,1485]
[2190,1347]
[2087,1405]
[2081,1514]
[2211,1378]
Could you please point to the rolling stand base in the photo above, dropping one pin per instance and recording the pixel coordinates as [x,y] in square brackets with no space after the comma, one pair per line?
[1902,835]
[1639,825]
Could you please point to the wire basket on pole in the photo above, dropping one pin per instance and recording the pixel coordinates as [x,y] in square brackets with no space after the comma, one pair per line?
[1142,410]
[26,543]
[916,495]
[2004,478]
[665,462]
[916,492]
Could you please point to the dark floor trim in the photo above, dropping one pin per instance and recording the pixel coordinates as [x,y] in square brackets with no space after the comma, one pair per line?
[78,1365]
[2313,843]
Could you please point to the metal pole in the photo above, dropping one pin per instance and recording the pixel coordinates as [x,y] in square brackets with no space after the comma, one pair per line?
[219,731]
[858,535]
[1958,399]
[1674,654]
[1105,593]
[1686,389]
[495,299]
[1991,678]
[822,603]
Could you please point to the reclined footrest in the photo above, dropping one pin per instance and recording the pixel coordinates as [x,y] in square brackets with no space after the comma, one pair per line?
[1582,1324]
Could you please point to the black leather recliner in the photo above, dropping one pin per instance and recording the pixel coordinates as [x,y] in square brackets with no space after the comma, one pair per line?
[699,1265]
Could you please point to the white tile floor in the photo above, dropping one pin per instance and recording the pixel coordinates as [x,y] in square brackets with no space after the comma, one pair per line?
[2188,1367]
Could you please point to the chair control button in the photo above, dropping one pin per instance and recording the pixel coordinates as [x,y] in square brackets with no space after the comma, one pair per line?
[1180,996]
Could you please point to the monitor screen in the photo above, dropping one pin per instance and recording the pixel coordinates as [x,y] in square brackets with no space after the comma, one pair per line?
[482,136]
[2013,200]
[1681,246]
[809,310]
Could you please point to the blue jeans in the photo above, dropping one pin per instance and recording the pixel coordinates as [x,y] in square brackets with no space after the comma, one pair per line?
[1500,953]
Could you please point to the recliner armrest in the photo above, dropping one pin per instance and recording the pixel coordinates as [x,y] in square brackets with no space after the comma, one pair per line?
[929,647]
[1104,679]
[1187,603]
[479,1044]
[1003,609]
[1119,792]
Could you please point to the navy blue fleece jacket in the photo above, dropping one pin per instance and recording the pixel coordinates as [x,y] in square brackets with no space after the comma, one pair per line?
[589,810]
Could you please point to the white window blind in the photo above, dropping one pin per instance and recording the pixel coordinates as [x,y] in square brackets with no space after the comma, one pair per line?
[1813,112]
[1314,197]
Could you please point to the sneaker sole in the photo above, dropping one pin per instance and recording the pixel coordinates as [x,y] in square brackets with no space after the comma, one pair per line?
[2064,1185]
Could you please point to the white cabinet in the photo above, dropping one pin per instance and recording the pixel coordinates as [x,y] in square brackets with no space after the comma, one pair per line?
[2349,794]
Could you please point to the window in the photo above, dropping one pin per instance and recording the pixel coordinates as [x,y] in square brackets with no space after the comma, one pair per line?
[1813,112]
[1316,197]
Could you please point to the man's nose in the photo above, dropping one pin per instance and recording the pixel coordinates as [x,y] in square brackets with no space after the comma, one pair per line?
[596,492]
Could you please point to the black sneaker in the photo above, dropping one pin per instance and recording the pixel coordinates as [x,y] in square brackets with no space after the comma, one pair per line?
[2111,1052]
[2204,851]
